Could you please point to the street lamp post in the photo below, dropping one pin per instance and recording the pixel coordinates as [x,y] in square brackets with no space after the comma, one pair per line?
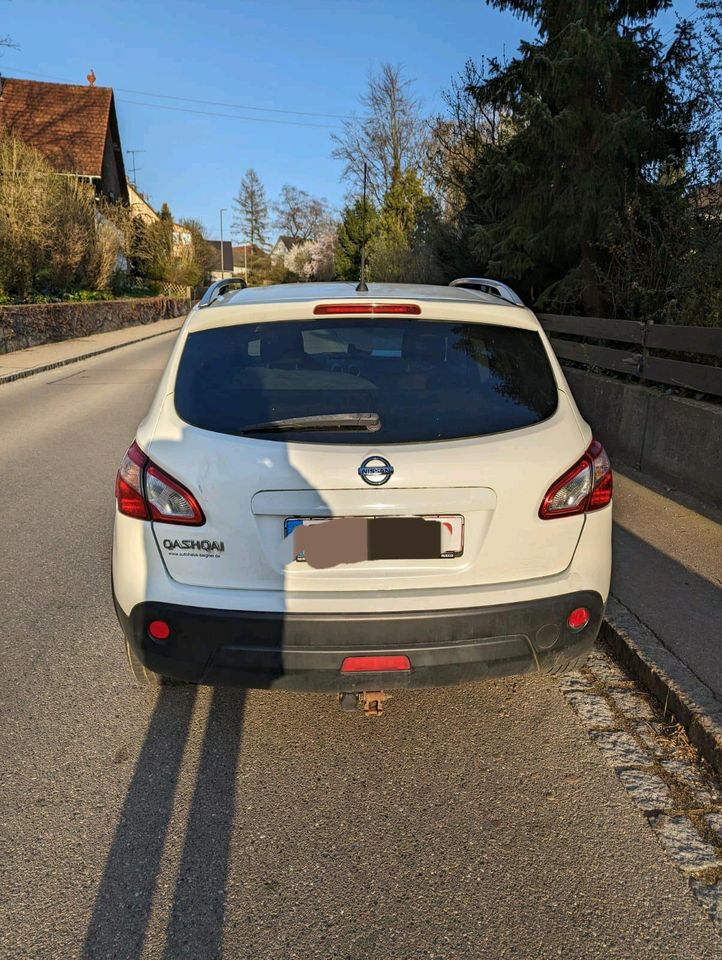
[223,272]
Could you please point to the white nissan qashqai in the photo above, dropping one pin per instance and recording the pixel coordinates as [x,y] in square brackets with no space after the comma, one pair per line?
[350,490]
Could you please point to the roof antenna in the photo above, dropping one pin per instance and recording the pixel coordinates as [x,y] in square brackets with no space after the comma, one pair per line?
[362,288]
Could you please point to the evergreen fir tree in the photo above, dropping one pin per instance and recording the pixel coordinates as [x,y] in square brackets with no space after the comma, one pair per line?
[598,133]
[350,238]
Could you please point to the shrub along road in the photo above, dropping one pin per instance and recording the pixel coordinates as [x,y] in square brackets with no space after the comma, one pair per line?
[471,822]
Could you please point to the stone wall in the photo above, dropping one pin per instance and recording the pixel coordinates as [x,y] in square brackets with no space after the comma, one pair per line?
[30,324]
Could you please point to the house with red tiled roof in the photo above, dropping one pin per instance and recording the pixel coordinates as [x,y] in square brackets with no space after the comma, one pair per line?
[74,127]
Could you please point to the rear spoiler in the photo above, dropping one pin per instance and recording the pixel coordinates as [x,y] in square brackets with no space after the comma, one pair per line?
[495,287]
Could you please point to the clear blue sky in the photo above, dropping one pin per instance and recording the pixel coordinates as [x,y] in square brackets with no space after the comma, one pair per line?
[312,56]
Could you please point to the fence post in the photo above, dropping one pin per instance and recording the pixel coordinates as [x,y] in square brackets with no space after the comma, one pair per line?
[648,396]
[644,356]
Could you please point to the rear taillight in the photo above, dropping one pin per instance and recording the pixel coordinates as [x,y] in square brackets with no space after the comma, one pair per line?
[587,486]
[144,491]
[169,502]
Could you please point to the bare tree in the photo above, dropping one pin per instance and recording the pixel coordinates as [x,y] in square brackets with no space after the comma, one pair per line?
[290,212]
[710,61]
[299,215]
[321,219]
[703,84]
[459,137]
[8,42]
[390,137]
[250,222]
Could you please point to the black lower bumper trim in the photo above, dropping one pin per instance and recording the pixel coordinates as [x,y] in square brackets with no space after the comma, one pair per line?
[306,651]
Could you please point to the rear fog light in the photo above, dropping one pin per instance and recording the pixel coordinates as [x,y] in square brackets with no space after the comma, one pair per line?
[578,618]
[158,630]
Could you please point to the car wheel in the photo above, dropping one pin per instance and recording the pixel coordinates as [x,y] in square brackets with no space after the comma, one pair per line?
[144,676]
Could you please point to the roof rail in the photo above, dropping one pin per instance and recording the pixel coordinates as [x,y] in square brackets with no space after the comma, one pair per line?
[495,287]
[218,288]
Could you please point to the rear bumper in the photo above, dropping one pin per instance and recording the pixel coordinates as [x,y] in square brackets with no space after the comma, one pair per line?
[306,651]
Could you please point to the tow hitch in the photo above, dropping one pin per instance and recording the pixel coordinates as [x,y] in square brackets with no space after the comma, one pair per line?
[372,701]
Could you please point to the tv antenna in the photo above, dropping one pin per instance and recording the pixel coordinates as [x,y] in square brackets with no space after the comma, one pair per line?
[362,287]
[133,153]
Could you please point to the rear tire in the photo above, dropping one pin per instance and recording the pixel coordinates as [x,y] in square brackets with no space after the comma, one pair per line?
[145,677]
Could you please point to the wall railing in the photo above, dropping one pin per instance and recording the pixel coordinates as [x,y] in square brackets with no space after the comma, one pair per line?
[678,356]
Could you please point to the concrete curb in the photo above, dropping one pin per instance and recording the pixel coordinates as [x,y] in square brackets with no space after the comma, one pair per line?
[42,368]
[681,692]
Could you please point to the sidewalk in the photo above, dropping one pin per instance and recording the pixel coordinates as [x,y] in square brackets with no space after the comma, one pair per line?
[668,571]
[24,363]
[665,614]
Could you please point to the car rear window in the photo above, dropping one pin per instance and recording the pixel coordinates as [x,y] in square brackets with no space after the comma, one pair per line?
[423,379]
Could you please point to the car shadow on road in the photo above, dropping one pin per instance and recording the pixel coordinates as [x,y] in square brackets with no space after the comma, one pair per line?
[196,924]
[123,905]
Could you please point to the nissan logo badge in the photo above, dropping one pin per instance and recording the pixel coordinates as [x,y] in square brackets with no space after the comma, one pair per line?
[375,470]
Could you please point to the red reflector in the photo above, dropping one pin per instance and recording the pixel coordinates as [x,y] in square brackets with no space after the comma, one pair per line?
[130,502]
[159,629]
[372,664]
[332,309]
[129,484]
[602,493]
[578,618]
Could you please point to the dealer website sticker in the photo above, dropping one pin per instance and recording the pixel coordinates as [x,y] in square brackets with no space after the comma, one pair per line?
[194,548]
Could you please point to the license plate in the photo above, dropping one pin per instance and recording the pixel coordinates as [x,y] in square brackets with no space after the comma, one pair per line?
[428,537]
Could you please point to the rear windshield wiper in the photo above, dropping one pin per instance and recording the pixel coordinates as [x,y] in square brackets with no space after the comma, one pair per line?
[325,422]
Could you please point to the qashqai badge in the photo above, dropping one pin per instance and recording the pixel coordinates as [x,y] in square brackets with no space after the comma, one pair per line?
[375,470]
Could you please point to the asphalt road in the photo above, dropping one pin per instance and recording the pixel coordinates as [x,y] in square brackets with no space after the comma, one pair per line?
[474,822]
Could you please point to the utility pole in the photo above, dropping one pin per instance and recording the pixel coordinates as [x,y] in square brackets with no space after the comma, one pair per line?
[133,153]
[223,271]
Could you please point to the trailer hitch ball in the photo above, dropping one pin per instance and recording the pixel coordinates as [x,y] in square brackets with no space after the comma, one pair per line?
[372,701]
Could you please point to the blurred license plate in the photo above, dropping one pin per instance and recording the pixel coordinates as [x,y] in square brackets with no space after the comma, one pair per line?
[392,538]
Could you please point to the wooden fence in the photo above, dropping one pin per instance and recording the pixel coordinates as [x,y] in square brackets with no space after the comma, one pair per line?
[686,357]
